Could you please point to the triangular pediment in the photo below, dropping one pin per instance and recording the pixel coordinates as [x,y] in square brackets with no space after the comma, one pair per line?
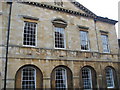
[66,4]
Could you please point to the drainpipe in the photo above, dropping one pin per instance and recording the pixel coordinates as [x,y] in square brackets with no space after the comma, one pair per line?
[8,35]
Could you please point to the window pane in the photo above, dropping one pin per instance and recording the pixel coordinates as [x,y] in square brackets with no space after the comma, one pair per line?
[29,34]
[109,78]
[59,38]
[61,79]
[105,43]
[84,40]
[87,80]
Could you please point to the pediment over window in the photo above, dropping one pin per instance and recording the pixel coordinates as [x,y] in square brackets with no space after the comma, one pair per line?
[83,27]
[29,17]
[104,32]
[59,23]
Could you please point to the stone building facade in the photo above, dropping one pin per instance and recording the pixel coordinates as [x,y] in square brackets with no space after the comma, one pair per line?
[58,45]
[119,49]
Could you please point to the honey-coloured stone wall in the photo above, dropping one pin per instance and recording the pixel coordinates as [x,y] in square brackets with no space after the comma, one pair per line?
[44,55]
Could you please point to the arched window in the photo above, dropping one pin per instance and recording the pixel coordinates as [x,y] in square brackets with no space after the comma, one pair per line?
[109,78]
[28,77]
[87,78]
[61,78]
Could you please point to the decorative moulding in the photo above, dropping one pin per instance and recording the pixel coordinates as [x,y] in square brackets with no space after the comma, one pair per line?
[83,27]
[29,17]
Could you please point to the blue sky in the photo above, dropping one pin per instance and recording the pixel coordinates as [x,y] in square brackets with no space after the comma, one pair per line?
[104,8]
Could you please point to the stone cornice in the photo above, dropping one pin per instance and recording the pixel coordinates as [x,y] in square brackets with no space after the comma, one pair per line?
[20,46]
[57,9]
[105,19]
[78,60]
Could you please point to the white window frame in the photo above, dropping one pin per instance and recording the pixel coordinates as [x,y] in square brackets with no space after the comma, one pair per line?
[110,77]
[35,35]
[90,78]
[64,38]
[64,76]
[34,75]
[87,40]
[107,41]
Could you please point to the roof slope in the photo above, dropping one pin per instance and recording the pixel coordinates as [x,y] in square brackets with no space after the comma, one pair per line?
[80,6]
[97,18]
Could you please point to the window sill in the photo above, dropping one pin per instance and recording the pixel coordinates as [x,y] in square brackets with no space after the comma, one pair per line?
[60,48]
[106,52]
[29,46]
[85,50]
[110,87]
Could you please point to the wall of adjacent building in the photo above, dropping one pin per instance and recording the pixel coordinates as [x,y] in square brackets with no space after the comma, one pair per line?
[112,37]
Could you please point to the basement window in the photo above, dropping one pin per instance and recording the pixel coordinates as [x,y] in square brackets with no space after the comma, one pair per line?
[87,79]
[109,78]
[28,78]
[61,79]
